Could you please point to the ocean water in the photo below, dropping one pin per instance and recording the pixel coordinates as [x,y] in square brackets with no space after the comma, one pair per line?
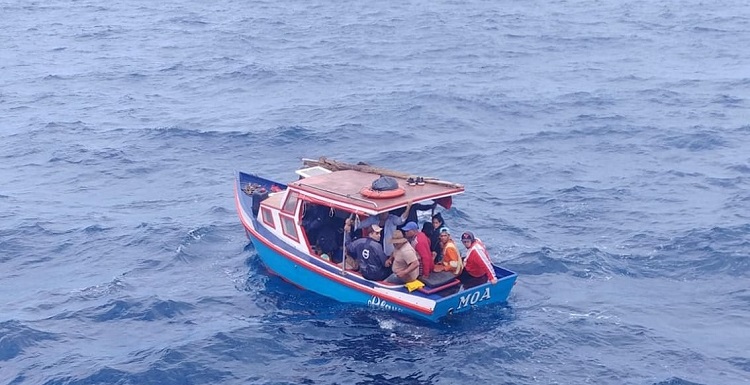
[604,146]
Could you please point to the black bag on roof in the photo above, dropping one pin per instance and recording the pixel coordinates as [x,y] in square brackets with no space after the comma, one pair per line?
[384,183]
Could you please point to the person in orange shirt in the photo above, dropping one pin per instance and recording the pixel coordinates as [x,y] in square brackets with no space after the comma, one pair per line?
[451,261]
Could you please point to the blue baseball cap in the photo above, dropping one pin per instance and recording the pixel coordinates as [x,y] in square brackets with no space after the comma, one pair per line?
[410,226]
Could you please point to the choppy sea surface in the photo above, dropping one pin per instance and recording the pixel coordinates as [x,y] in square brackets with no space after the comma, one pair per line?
[605,147]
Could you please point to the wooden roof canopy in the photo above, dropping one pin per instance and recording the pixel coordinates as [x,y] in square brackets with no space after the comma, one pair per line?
[342,186]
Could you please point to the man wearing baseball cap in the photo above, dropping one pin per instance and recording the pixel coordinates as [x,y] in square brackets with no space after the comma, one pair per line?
[477,264]
[368,253]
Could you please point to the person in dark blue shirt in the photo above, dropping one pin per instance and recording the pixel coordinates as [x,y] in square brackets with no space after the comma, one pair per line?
[368,252]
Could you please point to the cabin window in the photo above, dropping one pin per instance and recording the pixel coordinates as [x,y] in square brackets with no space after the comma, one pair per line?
[288,227]
[267,217]
[291,202]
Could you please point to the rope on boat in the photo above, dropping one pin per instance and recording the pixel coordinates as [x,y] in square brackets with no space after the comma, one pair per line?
[250,188]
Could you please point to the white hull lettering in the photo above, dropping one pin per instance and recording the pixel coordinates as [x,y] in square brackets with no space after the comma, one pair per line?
[381,304]
[473,298]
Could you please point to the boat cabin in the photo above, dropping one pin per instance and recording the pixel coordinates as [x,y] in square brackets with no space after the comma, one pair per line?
[309,214]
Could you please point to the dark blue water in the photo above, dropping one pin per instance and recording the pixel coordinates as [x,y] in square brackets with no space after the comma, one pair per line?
[604,145]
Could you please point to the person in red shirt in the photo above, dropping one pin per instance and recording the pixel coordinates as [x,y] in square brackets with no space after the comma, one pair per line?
[477,264]
[421,244]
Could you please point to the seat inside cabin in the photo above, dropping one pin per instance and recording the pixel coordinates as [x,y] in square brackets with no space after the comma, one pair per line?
[438,281]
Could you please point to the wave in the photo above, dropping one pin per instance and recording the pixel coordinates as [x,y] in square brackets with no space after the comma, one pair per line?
[252,73]
[174,369]
[677,381]
[152,309]
[588,263]
[114,287]
[699,139]
[17,337]
[697,254]
[275,136]
[742,363]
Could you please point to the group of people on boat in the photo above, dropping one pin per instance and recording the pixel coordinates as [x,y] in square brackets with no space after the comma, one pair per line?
[395,250]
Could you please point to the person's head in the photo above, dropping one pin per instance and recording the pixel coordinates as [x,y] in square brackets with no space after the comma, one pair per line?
[398,239]
[444,234]
[467,238]
[375,232]
[437,221]
[427,228]
[410,229]
[383,216]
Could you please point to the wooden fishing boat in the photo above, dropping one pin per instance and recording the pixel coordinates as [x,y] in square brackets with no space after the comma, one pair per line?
[278,221]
